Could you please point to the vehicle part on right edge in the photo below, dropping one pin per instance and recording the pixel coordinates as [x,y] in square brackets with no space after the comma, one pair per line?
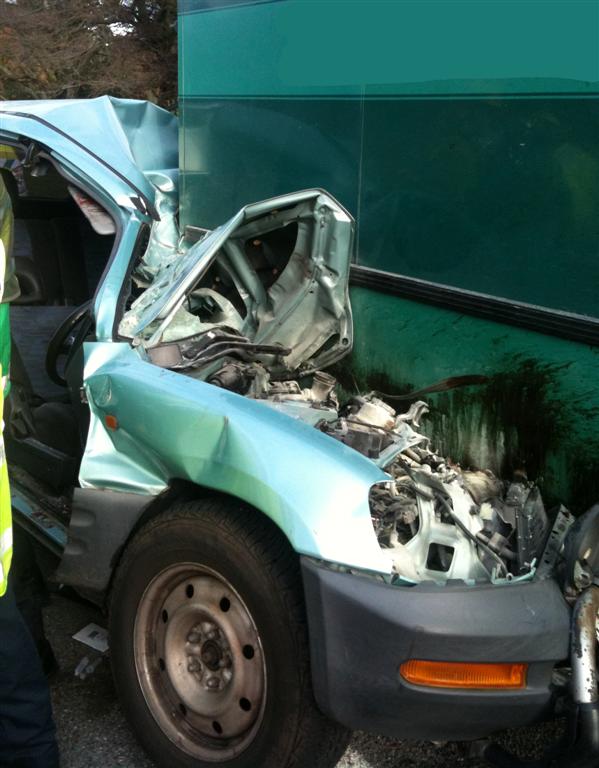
[580,574]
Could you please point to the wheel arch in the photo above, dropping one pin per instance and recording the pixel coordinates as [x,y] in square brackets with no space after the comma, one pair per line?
[103,523]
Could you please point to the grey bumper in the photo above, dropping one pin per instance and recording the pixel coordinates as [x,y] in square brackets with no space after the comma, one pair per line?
[362,630]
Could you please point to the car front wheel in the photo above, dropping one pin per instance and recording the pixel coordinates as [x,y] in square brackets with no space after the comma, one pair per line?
[209,644]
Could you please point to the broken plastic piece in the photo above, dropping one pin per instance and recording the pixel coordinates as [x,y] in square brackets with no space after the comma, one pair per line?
[87,666]
[94,636]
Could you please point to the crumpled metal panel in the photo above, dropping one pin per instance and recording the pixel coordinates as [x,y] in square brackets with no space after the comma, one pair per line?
[163,245]
[171,426]
[307,309]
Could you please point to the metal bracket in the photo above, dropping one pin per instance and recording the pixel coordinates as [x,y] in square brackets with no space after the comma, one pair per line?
[555,542]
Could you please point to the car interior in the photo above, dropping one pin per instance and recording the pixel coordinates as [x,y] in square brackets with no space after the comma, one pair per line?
[59,259]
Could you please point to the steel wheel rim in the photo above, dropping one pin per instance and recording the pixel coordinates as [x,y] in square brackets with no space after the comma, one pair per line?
[199,662]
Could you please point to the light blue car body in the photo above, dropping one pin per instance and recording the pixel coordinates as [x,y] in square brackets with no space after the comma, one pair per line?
[171,426]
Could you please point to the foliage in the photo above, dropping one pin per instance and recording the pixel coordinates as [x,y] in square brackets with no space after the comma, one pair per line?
[83,48]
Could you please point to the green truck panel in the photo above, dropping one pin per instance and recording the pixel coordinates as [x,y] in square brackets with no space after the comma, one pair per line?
[471,162]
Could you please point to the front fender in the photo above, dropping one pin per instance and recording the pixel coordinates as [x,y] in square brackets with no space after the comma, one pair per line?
[166,425]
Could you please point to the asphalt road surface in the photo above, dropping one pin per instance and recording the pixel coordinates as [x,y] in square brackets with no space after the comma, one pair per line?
[93,732]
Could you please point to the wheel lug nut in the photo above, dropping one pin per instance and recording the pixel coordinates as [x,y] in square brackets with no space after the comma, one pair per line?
[212,683]
[194,638]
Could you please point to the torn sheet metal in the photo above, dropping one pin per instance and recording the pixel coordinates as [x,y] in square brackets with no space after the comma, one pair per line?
[305,309]
[163,244]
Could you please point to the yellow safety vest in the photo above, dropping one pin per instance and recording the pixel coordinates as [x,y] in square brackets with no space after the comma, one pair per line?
[6,224]
[5,515]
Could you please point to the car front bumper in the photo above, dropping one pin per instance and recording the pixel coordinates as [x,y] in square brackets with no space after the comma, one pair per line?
[362,630]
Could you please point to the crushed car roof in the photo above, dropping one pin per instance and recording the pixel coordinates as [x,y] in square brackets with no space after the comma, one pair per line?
[134,139]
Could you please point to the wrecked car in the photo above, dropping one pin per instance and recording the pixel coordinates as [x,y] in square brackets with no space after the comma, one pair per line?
[281,559]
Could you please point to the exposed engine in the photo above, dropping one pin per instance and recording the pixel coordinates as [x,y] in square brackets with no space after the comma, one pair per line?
[438,522]
[259,307]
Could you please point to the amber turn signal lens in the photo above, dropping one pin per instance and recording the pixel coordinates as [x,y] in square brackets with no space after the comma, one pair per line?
[111,422]
[444,674]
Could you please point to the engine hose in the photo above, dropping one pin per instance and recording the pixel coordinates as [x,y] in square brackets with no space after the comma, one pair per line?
[440,386]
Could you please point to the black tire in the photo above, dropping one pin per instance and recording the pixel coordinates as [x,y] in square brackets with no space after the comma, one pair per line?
[250,554]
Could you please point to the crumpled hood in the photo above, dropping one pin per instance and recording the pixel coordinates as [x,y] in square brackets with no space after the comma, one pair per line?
[305,311]
[136,139]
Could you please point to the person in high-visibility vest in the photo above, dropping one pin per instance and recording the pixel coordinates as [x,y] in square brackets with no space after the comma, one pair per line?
[27,731]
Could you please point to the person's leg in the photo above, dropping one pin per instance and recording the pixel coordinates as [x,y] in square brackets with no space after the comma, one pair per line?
[27,732]
[31,595]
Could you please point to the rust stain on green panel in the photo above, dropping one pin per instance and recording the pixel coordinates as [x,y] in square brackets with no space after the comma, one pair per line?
[537,413]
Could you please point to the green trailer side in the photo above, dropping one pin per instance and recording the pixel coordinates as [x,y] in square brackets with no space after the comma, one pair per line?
[464,137]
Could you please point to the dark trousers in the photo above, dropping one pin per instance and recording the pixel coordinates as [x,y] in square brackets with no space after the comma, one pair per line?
[31,594]
[27,732]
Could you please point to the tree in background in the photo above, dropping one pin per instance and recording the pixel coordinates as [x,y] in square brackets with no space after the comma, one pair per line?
[83,48]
